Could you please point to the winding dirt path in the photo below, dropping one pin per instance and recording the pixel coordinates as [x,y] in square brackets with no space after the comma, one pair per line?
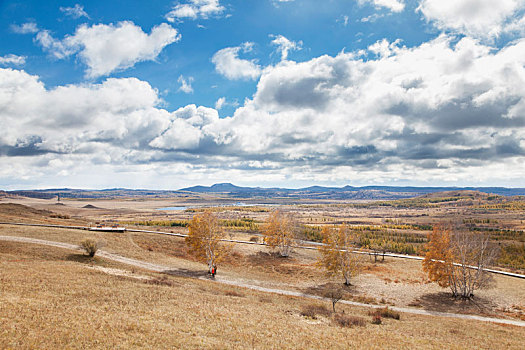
[219,279]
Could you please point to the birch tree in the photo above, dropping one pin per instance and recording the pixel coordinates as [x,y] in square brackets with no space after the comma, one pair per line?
[280,232]
[458,259]
[204,239]
[336,256]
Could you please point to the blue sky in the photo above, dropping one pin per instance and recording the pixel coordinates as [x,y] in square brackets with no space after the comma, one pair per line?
[165,94]
[323,31]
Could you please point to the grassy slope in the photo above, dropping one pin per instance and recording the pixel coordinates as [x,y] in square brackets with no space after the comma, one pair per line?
[49,298]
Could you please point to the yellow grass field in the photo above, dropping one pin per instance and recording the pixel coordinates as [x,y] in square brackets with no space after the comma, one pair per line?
[53,298]
[57,298]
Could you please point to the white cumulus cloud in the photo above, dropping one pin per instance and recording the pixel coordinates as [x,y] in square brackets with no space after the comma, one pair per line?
[478,18]
[228,63]
[57,48]
[284,45]
[384,48]
[108,48]
[220,103]
[76,11]
[26,28]
[12,59]
[195,9]
[392,5]
[187,128]
[343,114]
[76,118]
[185,84]
[447,110]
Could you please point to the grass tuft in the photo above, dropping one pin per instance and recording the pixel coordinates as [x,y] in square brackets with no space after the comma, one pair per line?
[314,310]
[386,313]
[348,320]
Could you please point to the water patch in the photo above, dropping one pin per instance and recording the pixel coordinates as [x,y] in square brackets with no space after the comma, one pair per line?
[173,208]
[223,205]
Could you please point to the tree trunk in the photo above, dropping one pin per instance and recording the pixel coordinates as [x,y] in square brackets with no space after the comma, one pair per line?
[347,281]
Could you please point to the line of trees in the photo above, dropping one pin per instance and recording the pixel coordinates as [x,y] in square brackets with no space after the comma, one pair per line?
[455,258]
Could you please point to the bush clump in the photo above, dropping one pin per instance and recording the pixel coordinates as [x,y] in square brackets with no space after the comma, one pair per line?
[349,321]
[386,313]
[59,216]
[90,246]
[314,310]
[376,319]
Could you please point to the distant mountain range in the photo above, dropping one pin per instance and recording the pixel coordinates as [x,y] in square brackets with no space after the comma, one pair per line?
[346,192]
[78,193]
[313,192]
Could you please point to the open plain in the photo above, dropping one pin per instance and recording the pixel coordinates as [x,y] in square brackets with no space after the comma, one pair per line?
[53,296]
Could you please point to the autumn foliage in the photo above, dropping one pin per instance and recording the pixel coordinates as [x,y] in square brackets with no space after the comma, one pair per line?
[280,232]
[458,259]
[439,257]
[336,254]
[204,239]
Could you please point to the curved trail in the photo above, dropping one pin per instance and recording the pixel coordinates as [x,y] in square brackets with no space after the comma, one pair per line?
[172,270]
[313,245]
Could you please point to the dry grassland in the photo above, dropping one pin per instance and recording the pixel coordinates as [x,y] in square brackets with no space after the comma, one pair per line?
[52,298]
[394,282]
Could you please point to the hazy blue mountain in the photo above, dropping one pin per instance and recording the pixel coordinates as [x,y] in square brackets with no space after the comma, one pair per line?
[312,192]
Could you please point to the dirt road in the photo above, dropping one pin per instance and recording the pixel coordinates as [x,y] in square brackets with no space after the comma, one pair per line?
[219,279]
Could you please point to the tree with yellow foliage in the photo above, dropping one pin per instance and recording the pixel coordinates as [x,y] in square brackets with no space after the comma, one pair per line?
[458,259]
[336,254]
[204,239]
[280,232]
[439,257]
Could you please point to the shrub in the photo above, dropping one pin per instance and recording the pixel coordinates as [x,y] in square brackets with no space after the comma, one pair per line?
[376,319]
[349,321]
[90,246]
[59,216]
[386,313]
[313,310]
